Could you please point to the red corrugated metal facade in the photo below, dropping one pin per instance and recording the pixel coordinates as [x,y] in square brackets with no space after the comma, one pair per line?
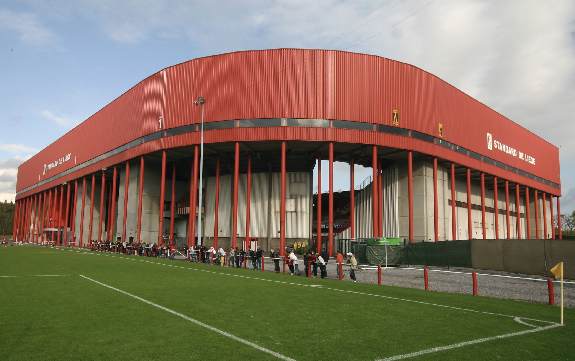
[292,83]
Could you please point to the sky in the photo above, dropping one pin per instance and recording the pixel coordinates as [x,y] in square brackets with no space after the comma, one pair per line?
[61,61]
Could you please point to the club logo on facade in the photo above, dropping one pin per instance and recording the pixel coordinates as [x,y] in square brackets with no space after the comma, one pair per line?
[495,144]
[57,162]
[489,141]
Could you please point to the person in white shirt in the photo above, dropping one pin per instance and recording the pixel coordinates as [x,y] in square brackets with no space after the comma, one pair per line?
[294,268]
[322,266]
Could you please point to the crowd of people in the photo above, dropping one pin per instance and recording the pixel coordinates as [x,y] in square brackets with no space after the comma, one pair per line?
[236,257]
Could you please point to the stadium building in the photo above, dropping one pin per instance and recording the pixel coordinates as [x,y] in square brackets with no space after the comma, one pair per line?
[444,165]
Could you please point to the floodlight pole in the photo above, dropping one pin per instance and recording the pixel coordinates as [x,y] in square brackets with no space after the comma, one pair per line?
[200,101]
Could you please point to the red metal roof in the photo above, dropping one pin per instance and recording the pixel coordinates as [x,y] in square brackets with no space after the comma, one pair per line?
[295,83]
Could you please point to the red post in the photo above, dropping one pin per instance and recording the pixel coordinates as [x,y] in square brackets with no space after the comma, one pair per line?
[193,200]
[74,205]
[263,263]
[551,291]
[507,216]
[426,278]
[330,203]
[53,212]
[352,199]
[474,277]
[552,215]
[453,205]
[496,207]
[379,275]
[126,193]
[544,215]
[380,199]
[469,222]
[318,211]
[235,195]
[559,225]
[173,206]
[59,236]
[112,212]
[248,204]
[536,195]
[102,193]
[528,212]
[67,218]
[81,241]
[374,193]
[518,211]
[217,204]
[340,271]
[410,192]
[435,203]
[283,200]
[483,206]
[35,215]
[162,200]
[140,194]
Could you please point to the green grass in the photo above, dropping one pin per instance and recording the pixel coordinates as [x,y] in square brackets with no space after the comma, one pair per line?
[69,317]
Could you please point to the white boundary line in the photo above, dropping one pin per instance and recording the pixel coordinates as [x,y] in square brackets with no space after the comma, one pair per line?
[194,321]
[319,287]
[467,343]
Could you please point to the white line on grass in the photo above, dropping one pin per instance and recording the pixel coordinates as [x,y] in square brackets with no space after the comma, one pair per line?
[199,323]
[339,290]
[467,343]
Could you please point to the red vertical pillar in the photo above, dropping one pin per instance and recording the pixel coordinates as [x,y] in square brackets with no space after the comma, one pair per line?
[35,215]
[81,241]
[544,215]
[453,205]
[518,211]
[173,206]
[483,229]
[15,220]
[126,193]
[352,199]
[217,204]
[496,206]
[60,234]
[140,195]
[112,210]
[330,203]
[42,219]
[551,214]
[380,198]
[162,200]
[536,195]
[528,212]
[507,217]
[318,205]
[374,193]
[91,219]
[102,193]
[435,203]
[67,217]
[248,202]
[410,192]
[469,222]
[193,200]
[74,206]
[235,195]
[53,213]
[559,225]
[283,200]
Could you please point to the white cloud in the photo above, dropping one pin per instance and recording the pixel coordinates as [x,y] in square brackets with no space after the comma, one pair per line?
[17,148]
[29,29]
[8,172]
[58,119]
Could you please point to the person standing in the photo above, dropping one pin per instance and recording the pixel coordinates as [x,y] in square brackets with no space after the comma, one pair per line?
[322,266]
[313,261]
[276,258]
[339,264]
[232,257]
[352,265]
[293,261]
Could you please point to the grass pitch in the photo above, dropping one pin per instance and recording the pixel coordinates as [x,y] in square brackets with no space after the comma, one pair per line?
[66,304]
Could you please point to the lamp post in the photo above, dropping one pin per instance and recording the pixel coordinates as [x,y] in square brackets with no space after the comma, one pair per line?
[200,101]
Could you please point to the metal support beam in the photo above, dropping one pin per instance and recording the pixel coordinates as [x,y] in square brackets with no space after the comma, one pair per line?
[435,203]
[74,206]
[559,225]
[551,215]
[59,235]
[453,204]
[483,228]
[352,199]
[330,203]
[544,215]
[283,200]
[528,212]
[507,215]
[112,209]
[318,210]
[173,206]
[517,211]
[248,201]
[162,200]
[536,196]
[235,195]
[102,193]
[469,222]
[193,200]
[496,206]
[410,193]
[374,193]
[126,192]
[140,195]
[81,241]
[67,217]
